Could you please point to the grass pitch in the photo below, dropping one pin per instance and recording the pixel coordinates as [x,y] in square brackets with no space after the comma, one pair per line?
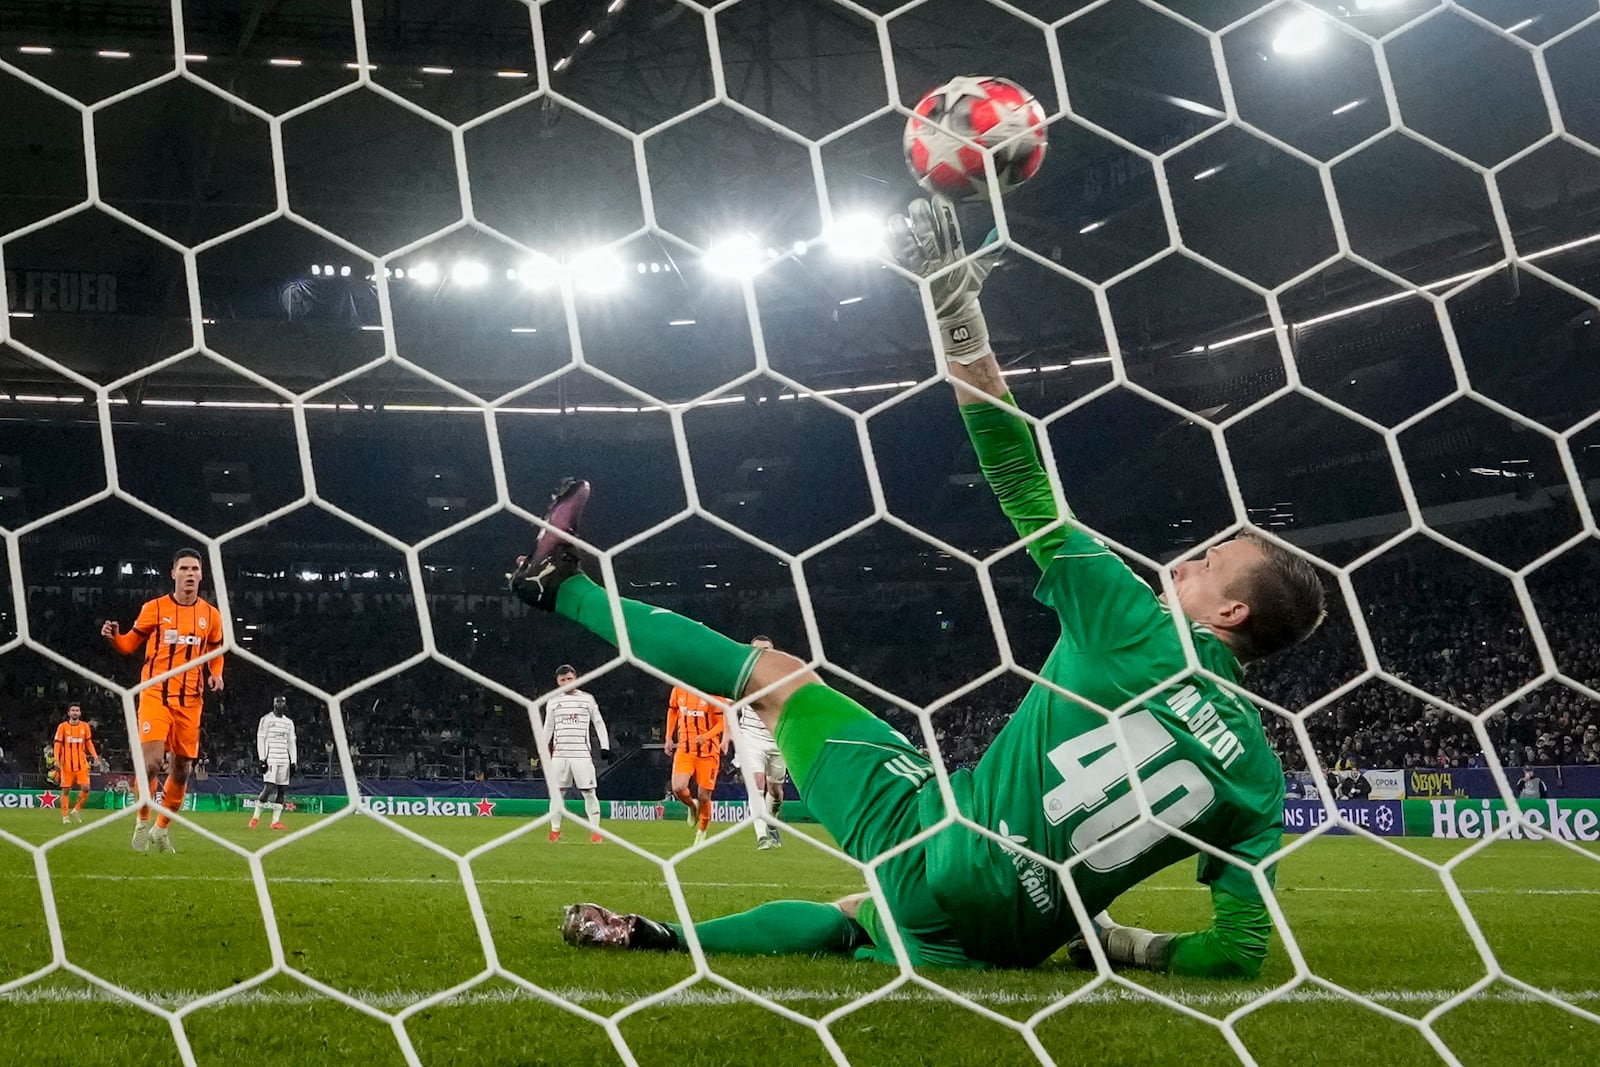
[365,910]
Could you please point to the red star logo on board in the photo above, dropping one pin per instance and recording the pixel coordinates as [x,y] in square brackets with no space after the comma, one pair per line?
[485,806]
[47,799]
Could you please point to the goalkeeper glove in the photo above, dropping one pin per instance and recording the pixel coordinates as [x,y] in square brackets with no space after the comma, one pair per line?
[605,754]
[926,240]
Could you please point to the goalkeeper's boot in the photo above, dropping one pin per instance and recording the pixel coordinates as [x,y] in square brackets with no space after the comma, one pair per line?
[161,839]
[596,839]
[277,826]
[141,835]
[540,573]
[253,824]
[591,926]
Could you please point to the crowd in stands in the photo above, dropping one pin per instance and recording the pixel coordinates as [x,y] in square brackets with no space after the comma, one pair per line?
[1444,626]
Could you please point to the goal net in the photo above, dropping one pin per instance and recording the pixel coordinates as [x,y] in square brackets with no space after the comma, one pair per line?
[337,293]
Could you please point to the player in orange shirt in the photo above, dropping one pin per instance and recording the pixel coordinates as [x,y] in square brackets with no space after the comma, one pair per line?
[74,751]
[694,740]
[173,630]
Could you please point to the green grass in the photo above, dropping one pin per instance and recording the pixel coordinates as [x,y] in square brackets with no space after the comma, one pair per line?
[385,919]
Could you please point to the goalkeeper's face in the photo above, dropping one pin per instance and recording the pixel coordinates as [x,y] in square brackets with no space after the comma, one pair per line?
[567,680]
[1206,585]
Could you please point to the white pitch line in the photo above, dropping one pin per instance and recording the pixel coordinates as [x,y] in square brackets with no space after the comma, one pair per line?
[453,882]
[396,999]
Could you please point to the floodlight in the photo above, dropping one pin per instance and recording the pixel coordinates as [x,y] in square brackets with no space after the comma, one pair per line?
[597,271]
[735,256]
[469,273]
[425,272]
[539,271]
[1300,35]
[856,236]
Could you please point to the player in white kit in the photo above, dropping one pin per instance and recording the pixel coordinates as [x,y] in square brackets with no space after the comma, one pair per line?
[567,718]
[765,770]
[275,747]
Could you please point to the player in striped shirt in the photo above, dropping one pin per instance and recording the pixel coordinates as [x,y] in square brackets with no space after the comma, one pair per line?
[696,739]
[567,718]
[275,747]
[74,749]
[174,630]
[766,772]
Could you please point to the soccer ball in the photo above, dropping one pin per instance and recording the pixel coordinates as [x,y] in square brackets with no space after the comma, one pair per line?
[952,123]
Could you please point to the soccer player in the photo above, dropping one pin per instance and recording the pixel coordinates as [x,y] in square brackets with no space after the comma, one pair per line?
[567,718]
[1054,784]
[174,630]
[74,749]
[277,750]
[766,771]
[694,741]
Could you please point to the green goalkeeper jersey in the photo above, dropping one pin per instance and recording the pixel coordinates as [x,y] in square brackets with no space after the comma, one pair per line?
[1054,781]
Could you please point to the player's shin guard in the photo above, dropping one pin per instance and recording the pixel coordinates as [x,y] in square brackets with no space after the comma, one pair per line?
[171,800]
[681,647]
[782,927]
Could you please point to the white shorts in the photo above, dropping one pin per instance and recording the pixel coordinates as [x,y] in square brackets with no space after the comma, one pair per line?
[765,759]
[277,774]
[569,771]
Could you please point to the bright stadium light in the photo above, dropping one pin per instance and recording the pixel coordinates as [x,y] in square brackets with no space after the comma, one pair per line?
[344,271]
[426,273]
[1301,35]
[858,235]
[469,273]
[539,271]
[735,256]
[597,271]
[36,50]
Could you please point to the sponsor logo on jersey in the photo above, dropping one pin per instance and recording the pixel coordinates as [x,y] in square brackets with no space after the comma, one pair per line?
[1034,877]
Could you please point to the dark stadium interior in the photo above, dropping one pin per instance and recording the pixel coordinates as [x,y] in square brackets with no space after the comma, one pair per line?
[868,515]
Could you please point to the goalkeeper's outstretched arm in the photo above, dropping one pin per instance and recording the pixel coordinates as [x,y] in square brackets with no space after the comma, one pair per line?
[927,241]
[1234,947]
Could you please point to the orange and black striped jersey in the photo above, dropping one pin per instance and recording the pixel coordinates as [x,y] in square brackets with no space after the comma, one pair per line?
[74,747]
[695,722]
[173,634]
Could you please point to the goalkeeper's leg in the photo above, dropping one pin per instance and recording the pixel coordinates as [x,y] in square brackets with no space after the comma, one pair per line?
[783,927]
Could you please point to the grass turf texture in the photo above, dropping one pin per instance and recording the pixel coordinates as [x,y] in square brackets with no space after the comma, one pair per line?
[376,915]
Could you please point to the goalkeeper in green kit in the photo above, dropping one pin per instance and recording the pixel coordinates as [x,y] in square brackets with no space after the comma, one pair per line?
[1053,784]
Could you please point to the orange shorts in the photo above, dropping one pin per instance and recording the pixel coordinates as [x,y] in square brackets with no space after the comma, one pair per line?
[703,768]
[75,779]
[178,725]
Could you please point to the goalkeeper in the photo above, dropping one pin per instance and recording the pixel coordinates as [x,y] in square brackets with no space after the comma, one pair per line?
[1054,784]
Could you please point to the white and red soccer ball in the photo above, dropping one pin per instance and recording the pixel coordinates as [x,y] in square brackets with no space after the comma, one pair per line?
[945,137]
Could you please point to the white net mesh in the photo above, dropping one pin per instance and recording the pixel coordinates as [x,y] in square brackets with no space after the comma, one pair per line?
[485,197]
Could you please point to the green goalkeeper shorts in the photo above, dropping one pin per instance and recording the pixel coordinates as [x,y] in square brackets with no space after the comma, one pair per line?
[871,789]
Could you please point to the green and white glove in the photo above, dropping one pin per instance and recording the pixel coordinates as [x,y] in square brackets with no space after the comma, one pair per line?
[926,240]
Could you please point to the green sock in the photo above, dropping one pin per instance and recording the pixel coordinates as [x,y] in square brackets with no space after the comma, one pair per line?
[683,648]
[783,927]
